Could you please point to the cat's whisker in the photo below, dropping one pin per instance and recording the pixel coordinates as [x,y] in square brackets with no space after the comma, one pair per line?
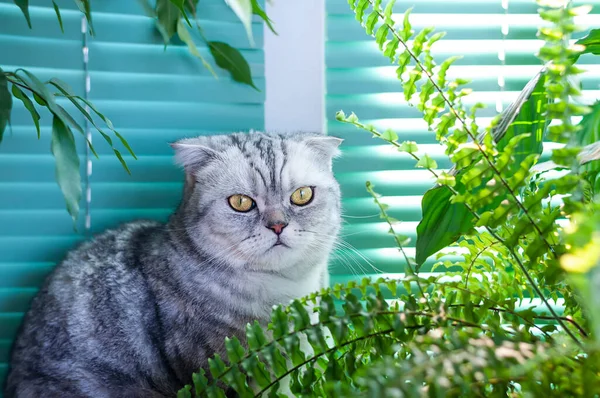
[361,217]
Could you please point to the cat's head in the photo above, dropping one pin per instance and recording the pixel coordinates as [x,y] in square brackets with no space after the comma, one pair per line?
[262,201]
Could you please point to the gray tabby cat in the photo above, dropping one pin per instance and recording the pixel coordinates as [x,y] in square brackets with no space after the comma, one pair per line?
[136,311]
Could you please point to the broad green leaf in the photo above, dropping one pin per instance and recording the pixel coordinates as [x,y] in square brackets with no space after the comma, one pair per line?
[243,9]
[185,392]
[24,6]
[167,19]
[5,103]
[67,165]
[446,179]
[526,115]
[184,35]
[180,4]
[191,6]
[408,146]
[427,162]
[233,61]
[35,116]
[442,224]
[588,136]
[258,10]
[57,11]
[591,43]
[389,135]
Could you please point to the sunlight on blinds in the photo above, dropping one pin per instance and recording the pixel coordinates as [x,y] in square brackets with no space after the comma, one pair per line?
[497,39]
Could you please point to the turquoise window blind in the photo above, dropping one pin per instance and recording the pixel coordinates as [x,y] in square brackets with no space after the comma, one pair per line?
[152,96]
[498,41]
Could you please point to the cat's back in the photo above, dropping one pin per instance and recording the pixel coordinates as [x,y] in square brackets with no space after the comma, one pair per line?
[95,310]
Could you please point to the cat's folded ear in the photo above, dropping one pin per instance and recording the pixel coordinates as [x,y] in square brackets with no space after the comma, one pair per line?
[192,155]
[326,146]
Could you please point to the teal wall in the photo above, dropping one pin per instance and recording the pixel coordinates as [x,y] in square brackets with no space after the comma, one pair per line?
[152,96]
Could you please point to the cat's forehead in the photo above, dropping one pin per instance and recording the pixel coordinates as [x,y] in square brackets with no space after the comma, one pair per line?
[274,163]
[263,165]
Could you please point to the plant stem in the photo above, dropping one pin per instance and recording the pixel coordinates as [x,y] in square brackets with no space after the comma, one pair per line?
[479,253]
[398,243]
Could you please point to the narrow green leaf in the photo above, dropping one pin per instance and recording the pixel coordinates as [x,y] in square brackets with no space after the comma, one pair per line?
[407,31]
[381,35]
[68,93]
[200,382]
[235,351]
[67,165]
[35,116]
[255,336]
[391,47]
[258,10]
[389,10]
[233,61]
[361,7]
[57,11]
[185,36]
[243,10]
[299,315]
[5,103]
[44,97]
[279,322]
[123,163]
[24,6]
[371,22]
[84,7]
[216,366]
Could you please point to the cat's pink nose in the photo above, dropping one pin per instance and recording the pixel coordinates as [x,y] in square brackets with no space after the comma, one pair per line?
[277,227]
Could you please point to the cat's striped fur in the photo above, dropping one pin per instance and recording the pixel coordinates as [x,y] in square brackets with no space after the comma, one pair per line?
[135,311]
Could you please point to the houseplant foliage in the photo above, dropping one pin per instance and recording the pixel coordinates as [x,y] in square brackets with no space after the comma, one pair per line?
[518,314]
[172,17]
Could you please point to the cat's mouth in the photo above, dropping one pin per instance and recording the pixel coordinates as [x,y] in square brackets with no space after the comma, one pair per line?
[279,243]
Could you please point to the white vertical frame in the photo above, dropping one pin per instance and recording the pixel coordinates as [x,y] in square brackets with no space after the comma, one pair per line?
[295,66]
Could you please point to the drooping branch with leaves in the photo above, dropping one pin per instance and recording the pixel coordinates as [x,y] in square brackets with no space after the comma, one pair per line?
[515,309]
[172,17]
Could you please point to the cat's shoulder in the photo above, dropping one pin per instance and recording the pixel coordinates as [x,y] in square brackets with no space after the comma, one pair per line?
[114,249]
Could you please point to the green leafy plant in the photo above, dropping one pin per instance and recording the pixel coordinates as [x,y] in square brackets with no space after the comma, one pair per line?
[33,93]
[169,16]
[515,310]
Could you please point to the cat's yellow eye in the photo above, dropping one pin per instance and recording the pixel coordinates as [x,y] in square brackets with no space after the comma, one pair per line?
[302,196]
[241,203]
